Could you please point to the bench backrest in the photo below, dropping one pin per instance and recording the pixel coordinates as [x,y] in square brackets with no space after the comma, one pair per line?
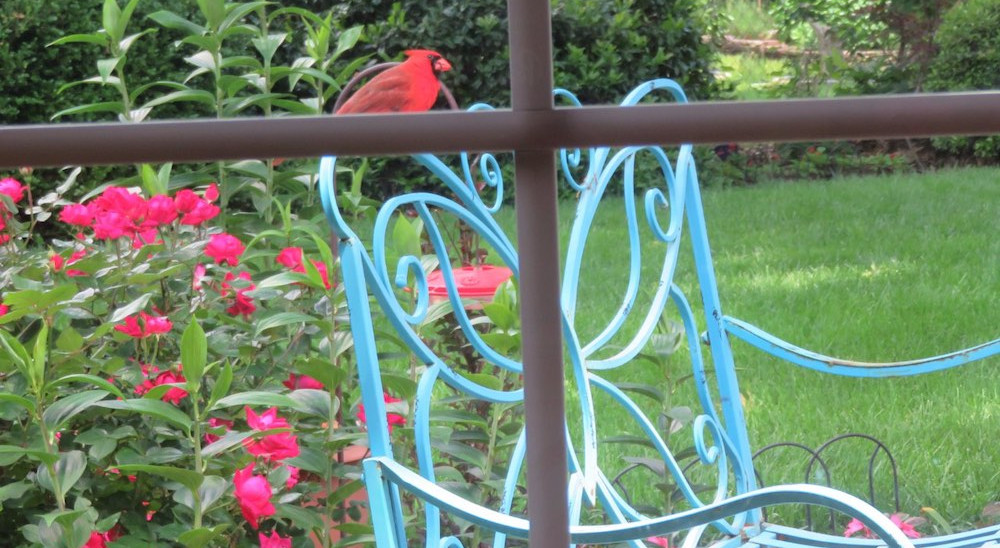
[391,309]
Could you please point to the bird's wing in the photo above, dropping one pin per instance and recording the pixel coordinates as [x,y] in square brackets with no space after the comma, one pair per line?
[387,92]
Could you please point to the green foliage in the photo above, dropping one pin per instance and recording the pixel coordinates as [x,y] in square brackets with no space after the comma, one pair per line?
[847,20]
[735,164]
[743,18]
[968,58]
[968,44]
[34,72]
[601,49]
[912,25]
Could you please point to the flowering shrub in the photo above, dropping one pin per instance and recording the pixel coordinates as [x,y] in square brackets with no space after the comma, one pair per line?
[163,381]
[904,522]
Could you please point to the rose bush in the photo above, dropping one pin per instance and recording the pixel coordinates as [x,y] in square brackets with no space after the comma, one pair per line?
[163,381]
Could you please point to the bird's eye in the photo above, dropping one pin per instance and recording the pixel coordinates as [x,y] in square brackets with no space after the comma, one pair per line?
[433,57]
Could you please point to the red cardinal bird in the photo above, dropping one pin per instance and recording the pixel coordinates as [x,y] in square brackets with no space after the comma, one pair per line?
[409,87]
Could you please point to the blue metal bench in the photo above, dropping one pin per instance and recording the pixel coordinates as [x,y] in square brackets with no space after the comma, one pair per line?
[412,482]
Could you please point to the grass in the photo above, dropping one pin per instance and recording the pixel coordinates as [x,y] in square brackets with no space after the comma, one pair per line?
[753,76]
[745,19]
[876,269]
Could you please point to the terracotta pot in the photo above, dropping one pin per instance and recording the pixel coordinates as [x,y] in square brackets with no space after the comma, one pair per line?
[353,454]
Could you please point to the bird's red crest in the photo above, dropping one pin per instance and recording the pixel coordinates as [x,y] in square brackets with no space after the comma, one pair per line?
[436,60]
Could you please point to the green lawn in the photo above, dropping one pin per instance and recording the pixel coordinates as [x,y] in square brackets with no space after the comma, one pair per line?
[873,269]
[876,269]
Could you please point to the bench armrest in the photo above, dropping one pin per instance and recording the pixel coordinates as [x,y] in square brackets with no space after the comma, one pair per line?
[381,469]
[827,364]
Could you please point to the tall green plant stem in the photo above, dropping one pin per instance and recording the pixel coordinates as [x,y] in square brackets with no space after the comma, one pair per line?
[47,436]
[199,463]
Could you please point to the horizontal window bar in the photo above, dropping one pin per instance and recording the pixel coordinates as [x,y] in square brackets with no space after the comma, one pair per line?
[708,122]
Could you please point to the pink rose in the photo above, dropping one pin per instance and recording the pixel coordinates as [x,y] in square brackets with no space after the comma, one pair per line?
[173,395]
[224,248]
[392,418]
[215,424]
[274,541]
[194,208]
[290,257]
[198,276]
[150,325]
[212,192]
[242,304]
[254,495]
[160,210]
[13,188]
[111,225]
[120,200]
[76,215]
[295,382]
[203,211]
[293,476]
[273,447]
[96,540]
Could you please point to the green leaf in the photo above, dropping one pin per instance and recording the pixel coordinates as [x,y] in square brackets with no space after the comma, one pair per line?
[173,21]
[107,106]
[322,370]
[18,400]
[15,354]
[222,384]
[69,406]
[126,43]
[35,454]
[457,416]
[501,316]
[212,488]
[39,300]
[112,20]
[405,238]
[214,11]
[69,469]
[269,399]
[36,368]
[226,442]
[131,308]
[69,340]
[194,354]
[282,279]
[311,460]
[348,39]
[90,379]
[193,95]
[281,319]
[106,66]
[268,46]
[305,518]
[153,408]
[199,538]
[188,478]
[646,390]
[464,453]
[150,181]
[14,490]
[316,402]
[93,38]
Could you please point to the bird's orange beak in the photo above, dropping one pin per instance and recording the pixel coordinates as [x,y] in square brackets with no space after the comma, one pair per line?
[442,65]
